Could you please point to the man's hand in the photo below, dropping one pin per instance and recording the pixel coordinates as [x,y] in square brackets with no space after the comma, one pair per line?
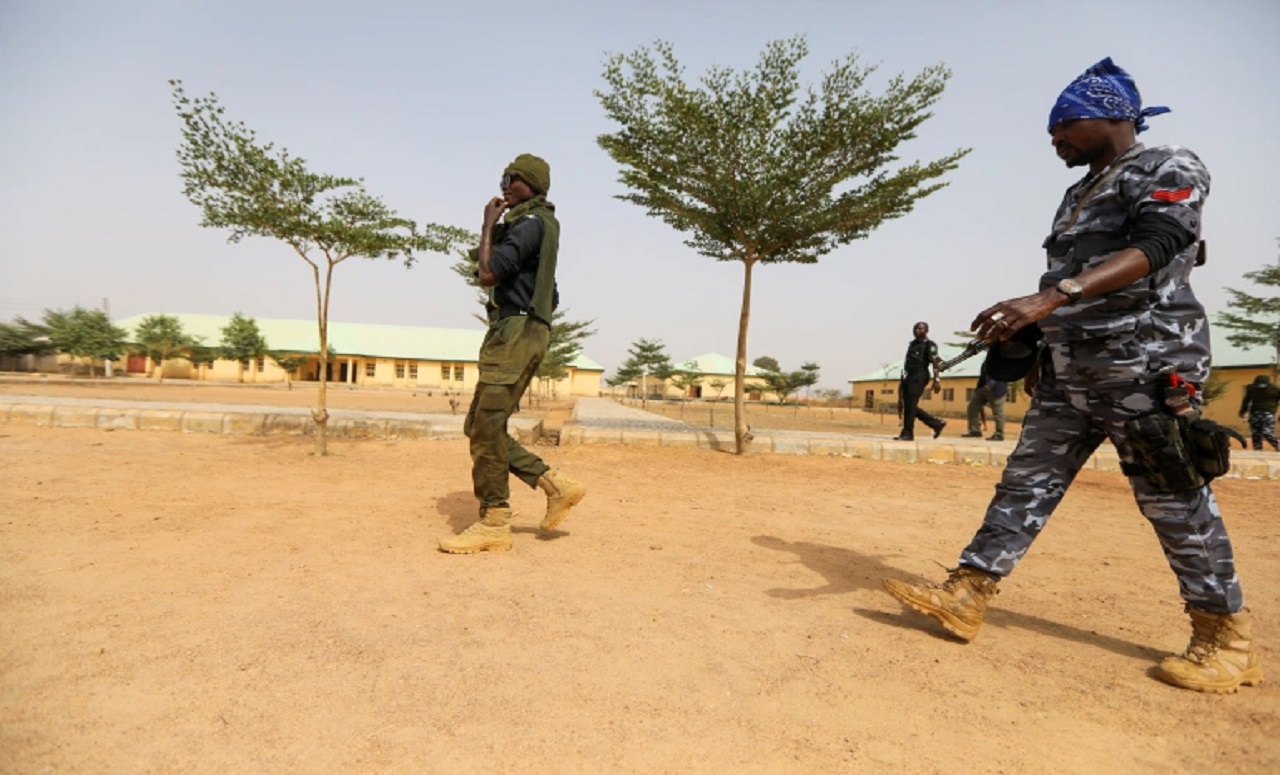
[1000,321]
[493,211]
[937,386]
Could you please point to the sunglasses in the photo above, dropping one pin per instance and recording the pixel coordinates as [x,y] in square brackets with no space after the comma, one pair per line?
[508,179]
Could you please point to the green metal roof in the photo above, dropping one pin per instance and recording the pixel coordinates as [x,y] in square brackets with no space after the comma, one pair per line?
[1225,356]
[370,340]
[714,363]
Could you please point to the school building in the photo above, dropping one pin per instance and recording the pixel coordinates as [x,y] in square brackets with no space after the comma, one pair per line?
[364,354]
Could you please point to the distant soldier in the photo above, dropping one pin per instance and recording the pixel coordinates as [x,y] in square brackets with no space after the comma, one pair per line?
[1259,405]
[1124,337]
[987,392]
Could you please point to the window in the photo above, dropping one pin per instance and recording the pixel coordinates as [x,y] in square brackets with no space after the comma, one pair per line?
[399,369]
[413,371]
[458,373]
[948,394]
[262,363]
[968,393]
[444,373]
[370,368]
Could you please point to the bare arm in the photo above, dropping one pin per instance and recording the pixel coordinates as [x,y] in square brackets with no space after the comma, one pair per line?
[1001,321]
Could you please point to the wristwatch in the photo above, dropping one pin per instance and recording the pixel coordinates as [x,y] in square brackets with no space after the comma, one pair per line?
[1070,288]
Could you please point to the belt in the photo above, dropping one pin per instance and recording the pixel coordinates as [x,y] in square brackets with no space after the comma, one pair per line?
[506,312]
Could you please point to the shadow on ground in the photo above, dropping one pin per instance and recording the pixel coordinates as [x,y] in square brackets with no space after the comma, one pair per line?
[846,570]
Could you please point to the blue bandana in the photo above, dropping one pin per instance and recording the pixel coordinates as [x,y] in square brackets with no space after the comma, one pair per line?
[1103,91]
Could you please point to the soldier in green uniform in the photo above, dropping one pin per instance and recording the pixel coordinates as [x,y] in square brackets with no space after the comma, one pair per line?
[519,241]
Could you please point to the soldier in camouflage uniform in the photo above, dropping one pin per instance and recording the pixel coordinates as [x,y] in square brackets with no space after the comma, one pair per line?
[1119,320]
[517,260]
[1259,405]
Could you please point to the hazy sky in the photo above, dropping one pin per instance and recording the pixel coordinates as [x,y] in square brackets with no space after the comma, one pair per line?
[429,100]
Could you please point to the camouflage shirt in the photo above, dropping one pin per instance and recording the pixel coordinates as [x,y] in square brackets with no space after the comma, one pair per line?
[1154,326]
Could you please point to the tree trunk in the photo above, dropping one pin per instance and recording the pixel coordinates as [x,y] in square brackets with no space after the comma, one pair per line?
[740,434]
[321,413]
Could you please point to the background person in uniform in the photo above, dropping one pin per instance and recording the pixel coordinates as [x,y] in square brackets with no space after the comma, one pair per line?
[922,359]
[517,260]
[988,392]
[1119,321]
[1259,405]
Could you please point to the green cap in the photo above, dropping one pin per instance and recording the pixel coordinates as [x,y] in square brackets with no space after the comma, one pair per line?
[532,170]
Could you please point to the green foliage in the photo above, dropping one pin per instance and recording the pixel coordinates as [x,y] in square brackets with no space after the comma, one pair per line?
[565,345]
[242,340]
[718,385]
[767,363]
[756,169]
[22,337]
[84,333]
[785,383]
[1256,320]
[648,358]
[161,337]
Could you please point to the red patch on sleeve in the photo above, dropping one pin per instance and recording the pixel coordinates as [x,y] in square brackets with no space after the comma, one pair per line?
[1172,195]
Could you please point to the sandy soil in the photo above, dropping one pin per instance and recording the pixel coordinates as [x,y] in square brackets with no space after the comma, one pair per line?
[177,603]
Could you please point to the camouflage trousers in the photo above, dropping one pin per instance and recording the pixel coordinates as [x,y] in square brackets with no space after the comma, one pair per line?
[1262,425]
[1061,430]
[509,357]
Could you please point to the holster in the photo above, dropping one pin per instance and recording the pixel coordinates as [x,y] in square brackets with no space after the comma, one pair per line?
[1175,454]
[1160,454]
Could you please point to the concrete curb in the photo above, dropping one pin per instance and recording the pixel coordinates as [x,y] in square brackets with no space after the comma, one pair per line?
[196,418]
[1244,464]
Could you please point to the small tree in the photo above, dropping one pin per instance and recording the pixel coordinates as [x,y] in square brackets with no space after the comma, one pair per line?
[812,372]
[288,363]
[242,342]
[718,385]
[647,358]
[255,190]
[161,337]
[201,356]
[22,338]
[1256,321]
[85,333]
[783,383]
[757,170]
[564,347]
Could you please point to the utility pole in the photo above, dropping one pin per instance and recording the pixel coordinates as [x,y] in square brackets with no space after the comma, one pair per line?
[106,362]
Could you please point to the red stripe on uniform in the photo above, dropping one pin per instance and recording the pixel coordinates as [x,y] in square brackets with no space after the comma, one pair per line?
[1172,195]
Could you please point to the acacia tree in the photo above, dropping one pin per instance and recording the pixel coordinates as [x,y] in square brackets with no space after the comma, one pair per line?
[784,383]
[757,170]
[161,337]
[1256,321]
[253,189]
[242,341]
[85,333]
[288,362]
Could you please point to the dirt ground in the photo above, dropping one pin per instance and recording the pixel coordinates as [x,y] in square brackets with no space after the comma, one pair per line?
[187,603]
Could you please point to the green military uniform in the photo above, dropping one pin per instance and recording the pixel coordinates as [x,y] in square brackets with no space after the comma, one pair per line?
[513,348]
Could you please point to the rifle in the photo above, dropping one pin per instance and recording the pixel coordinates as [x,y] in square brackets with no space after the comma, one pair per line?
[970,350]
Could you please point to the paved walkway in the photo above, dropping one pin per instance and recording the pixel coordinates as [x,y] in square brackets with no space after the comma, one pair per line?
[605,421]
[594,421]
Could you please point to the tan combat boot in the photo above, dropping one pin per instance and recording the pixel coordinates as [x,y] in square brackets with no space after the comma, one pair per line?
[1219,658]
[957,603]
[563,494]
[490,534]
